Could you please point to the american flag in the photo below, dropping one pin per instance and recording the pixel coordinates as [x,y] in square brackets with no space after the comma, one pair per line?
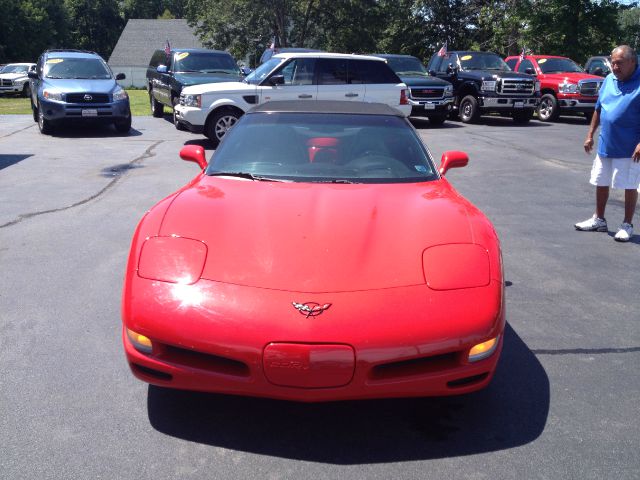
[443,51]
[167,47]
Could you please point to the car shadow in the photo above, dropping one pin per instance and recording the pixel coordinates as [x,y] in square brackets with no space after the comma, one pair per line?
[201,142]
[498,121]
[6,160]
[92,131]
[421,123]
[511,412]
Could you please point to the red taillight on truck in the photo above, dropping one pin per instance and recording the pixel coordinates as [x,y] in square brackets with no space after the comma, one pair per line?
[403,97]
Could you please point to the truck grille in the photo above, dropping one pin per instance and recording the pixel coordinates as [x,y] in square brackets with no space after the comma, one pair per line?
[515,86]
[6,82]
[589,88]
[419,93]
[87,98]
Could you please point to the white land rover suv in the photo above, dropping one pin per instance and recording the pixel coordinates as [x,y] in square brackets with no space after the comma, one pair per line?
[213,108]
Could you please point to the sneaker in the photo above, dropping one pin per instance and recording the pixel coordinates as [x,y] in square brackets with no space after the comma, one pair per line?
[594,224]
[624,233]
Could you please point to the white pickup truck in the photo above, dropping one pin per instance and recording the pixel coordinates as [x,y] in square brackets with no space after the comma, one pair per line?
[213,109]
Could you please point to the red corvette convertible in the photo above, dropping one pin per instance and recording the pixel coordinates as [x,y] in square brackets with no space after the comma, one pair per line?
[319,255]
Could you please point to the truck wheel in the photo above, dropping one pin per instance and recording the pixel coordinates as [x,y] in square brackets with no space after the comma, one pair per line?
[220,123]
[26,90]
[548,110]
[175,101]
[469,109]
[437,119]
[523,116]
[157,109]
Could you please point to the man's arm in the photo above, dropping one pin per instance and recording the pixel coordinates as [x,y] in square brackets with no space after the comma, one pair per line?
[595,123]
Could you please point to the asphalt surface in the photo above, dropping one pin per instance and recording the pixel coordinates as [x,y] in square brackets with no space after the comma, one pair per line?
[563,404]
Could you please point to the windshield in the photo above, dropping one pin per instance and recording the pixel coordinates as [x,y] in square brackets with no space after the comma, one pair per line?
[15,69]
[558,65]
[323,148]
[79,68]
[205,62]
[407,66]
[262,71]
[482,61]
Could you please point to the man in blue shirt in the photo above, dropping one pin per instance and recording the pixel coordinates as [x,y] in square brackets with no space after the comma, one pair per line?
[617,163]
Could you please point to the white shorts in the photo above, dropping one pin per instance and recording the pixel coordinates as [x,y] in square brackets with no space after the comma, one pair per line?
[621,173]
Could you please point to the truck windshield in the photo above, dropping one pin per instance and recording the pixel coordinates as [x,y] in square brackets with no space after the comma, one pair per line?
[482,61]
[558,65]
[205,62]
[407,66]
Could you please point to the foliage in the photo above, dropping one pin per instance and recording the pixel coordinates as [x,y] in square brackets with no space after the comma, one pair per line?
[87,20]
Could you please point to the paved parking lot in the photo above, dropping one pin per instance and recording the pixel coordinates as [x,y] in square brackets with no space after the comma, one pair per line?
[563,404]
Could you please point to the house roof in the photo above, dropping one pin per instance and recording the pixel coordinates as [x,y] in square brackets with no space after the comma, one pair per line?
[141,37]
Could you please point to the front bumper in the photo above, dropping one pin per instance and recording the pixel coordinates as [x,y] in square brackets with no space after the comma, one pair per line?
[577,103]
[200,343]
[94,112]
[12,88]
[192,118]
[431,107]
[507,103]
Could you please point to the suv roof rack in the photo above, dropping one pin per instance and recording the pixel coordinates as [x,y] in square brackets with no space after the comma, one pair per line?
[69,50]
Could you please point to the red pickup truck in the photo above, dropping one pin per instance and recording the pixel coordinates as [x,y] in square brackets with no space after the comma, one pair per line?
[565,87]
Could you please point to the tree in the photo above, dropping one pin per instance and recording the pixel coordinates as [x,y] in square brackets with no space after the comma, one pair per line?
[30,26]
[96,25]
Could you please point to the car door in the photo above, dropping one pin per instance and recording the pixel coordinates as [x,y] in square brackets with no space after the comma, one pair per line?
[334,82]
[294,80]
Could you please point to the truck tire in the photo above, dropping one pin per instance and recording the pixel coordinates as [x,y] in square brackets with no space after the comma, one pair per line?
[26,90]
[468,110]
[123,126]
[157,109]
[522,116]
[588,116]
[220,123]
[548,109]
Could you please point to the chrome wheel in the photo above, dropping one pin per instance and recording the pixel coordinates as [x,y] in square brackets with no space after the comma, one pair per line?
[224,124]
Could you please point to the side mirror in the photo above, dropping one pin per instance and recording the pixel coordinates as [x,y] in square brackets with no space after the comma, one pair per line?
[194,153]
[453,159]
[162,69]
[245,70]
[529,71]
[121,76]
[276,80]
[32,74]
[598,71]
[452,69]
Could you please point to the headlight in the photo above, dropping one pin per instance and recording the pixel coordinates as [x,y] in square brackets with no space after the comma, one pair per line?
[120,94]
[172,259]
[192,101]
[537,84]
[489,85]
[568,88]
[484,349]
[52,95]
[448,91]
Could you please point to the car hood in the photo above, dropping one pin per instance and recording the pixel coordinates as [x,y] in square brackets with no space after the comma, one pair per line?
[221,87]
[318,237]
[493,74]
[73,85]
[422,80]
[197,78]
[572,77]
[13,76]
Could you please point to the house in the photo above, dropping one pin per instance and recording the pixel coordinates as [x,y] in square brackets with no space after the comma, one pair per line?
[140,38]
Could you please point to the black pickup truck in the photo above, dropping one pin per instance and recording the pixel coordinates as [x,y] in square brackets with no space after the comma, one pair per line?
[168,74]
[484,83]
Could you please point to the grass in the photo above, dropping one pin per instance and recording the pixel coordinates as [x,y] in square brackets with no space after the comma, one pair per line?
[12,105]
